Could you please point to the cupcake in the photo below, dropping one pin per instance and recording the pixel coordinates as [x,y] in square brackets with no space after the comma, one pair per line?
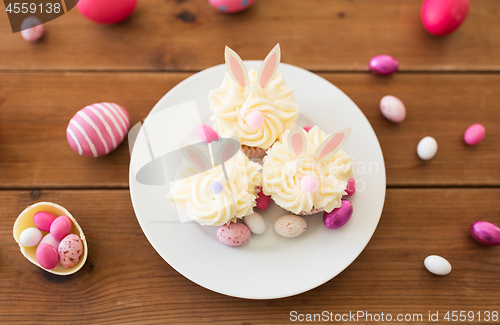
[255,106]
[215,192]
[306,173]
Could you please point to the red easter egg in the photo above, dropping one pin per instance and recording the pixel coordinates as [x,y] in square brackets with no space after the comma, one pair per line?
[106,11]
[231,6]
[442,17]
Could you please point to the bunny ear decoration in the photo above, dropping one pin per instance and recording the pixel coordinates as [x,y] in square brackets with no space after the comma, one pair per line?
[332,144]
[297,141]
[224,149]
[198,156]
[237,70]
[269,67]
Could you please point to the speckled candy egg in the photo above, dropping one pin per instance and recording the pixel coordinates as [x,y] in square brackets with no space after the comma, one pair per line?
[233,234]
[106,11]
[393,109]
[70,250]
[231,6]
[98,129]
[290,226]
[442,17]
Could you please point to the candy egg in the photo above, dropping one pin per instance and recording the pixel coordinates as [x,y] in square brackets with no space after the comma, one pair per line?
[427,148]
[30,237]
[255,223]
[474,134]
[263,201]
[206,133]
[437,265]
[307,128]
[25,220]
[106,12]
[61,227]
[393,109]
[70,250]
[233,234]
[486,233]
[47,256]
[231,6]
[384,65]
[290,226]
[351,186]
[339,216]
[43,220]
[32,29]
[98,129]
[49,239]
[441,17]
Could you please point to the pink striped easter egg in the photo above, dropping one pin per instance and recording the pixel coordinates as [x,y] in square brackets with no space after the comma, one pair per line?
[98,129]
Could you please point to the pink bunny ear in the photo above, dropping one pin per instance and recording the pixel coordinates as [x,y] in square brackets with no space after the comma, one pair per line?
[297,141]
[198,155]
[332,144]
[224,149]
[269,67]
[237,70]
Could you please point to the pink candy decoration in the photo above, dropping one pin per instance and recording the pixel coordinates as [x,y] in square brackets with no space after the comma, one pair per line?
[106,11]
[33,34]
[98,129]
[309,183]
[43,220]
[70,250]
[61,227]
[486,233]
[206,133]
[231,6]
[393,109]
[255,119]
[47,256]
[307,128]
[474,134]
[48,239]
[442,17]
[351,186]
[234,234]
[338,217]
[263,201]
[384,65]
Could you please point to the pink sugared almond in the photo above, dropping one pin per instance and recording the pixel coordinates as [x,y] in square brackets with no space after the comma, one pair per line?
[70,250]
[233,234]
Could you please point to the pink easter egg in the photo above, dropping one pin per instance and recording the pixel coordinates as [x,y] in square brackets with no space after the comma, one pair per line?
[32,29]
[106,11]
[206,133]
[474,134]
[233,234]
[485,232]
[351,186]
[98,129]
[61,227]
[47,256]
[43,220]
[49,239]
[231,6]
[384,65]
[442,17]
[339,216]
[70,250]
[263,201]
[393,109]
[307,128]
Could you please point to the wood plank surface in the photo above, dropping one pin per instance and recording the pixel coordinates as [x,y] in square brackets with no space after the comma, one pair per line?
[35,109]
[126,282]
[319,35]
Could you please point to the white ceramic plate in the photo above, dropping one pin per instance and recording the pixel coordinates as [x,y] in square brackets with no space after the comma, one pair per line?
[270,266]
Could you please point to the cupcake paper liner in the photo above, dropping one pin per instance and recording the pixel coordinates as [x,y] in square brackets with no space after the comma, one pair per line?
[253,152]
[313,211]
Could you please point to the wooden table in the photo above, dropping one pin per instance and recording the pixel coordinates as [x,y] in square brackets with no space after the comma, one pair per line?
[446,83]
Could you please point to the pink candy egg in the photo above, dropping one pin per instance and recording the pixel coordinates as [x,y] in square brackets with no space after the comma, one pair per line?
[263,201]
[393,109]
[98,129]
[43,220]
[290,226]
[47,256]
[474,134]
[61,227]
[233,234]
[206,133]
[48,239]
[351,186]
[384,65]
[32,29]
[486,233]
[338,217]
[231,6]
[307,128]
[106,11]
[70,250]
[442,17]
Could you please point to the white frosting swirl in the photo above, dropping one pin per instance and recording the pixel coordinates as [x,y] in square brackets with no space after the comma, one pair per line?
[193,191]
[282,173]
[230,104]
